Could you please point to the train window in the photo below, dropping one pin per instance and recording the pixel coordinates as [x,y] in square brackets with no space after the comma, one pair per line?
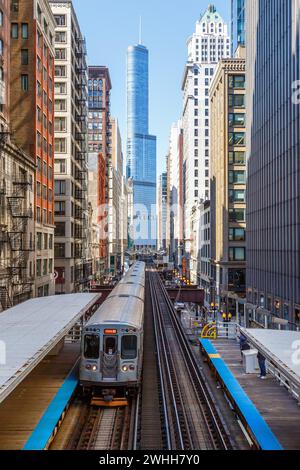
[91,346]
[110,345]
[129,347]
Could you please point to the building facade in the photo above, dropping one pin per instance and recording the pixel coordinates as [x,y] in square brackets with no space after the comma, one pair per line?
[228,181]
[115,200]
[208,44]
[175,180]
[72,268]
[162,238]
[32,119]
[99,142]
[141,147]
[273,146]
[238,33]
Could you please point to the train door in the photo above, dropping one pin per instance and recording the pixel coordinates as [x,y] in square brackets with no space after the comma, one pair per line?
[110,358]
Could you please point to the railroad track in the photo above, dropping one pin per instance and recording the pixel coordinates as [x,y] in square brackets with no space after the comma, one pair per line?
[190,417]
[91,428]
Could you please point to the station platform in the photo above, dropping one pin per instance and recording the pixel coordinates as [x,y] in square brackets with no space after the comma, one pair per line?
[32,330]
[274,403]
[21,413]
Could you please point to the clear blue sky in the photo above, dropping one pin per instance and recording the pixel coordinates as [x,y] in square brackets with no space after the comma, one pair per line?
[111,26]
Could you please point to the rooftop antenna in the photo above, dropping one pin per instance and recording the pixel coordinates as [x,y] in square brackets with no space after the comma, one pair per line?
[140,37]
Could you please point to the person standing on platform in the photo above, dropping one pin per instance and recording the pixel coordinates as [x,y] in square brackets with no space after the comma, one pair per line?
[262,365]
[244,346]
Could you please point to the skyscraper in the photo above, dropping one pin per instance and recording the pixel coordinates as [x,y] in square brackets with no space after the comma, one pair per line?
[208,44]
[141,147]
[237,24]
[273,192]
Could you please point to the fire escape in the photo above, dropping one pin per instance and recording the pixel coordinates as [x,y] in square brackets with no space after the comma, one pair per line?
[81,158]
[15,244]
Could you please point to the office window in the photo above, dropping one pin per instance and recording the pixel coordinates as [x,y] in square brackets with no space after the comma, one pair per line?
[60,88]
[237,138]
[60,71]
[236,101]
[60,20]
[60,105]
[237,254]
[60,145]
[236,81]
[237,234]
[237,215]
[237,177]
[237,195]
[60,187]
[60,54]
[14,30]
[60,166]
[60,229]
[14,5]
[60,208]
[237,158]
[39,268]
[60,124]
[60,36]
[237,120]
[25,33]
[59,250]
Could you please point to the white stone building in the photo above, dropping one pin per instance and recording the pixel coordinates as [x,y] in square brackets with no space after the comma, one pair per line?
[209,43]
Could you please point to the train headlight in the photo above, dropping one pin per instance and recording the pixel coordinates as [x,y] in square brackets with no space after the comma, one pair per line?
[125,368]
[94,368]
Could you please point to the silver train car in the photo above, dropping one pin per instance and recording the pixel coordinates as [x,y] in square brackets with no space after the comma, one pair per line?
[112,340]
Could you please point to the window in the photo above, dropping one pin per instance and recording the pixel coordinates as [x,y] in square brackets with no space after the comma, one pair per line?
[236,101]
[60,208]
[24,82]
[236,120]
[60,36]
[91,346]
[60,166]
[237,177]
[60,229]
[60,71]
[236,81]
[237,215]
[60,88]
[60,145]
[60,124]
[1,18]
[39,268]
[237,195]
[60,187]
[25,31]
[14,5]
[129,347]
[39,241]
[237,254]
[237,234]
[45,267]
[60,54]
[237,138]
[59,250]
[237,158]
[14,30]
[60,105]
[60,20]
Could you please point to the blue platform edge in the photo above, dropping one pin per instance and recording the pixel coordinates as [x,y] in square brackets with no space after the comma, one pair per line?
[44,430]
[263,434]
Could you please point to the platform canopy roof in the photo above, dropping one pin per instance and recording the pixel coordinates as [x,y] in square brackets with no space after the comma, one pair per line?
[31,330]
[280,346]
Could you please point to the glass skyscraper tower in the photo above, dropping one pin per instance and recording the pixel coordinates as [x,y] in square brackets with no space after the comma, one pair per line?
[237,24]
[141,147]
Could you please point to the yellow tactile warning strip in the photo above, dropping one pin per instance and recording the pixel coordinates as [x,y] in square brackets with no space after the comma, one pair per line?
[214,356]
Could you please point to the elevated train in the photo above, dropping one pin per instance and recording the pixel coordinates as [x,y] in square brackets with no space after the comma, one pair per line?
[112,340]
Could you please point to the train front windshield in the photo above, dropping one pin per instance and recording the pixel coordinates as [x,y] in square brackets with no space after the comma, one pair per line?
[129,347]
[91,346]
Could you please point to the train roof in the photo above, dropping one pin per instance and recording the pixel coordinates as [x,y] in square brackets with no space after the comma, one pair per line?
[128,289]
[119,311]
[135,275]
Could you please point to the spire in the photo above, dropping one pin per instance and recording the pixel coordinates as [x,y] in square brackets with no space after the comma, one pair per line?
[140,36]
